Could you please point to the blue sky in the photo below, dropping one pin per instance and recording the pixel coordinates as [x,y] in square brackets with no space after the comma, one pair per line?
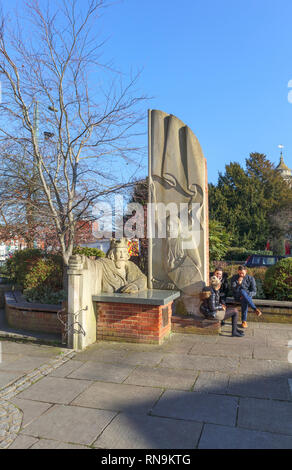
[222,67]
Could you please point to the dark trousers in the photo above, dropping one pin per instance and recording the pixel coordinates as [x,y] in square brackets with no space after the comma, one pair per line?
[232,312]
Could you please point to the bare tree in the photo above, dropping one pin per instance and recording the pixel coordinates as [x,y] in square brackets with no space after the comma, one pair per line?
[81,106]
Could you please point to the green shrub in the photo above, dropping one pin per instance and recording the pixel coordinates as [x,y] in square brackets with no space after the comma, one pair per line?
[19,264]
[260,289]
[257,273]
[241,254]
[78,250]
[45,272]
[44,295]
[32,268]
[278,280]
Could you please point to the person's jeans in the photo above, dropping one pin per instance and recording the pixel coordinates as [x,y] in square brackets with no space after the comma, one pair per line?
[245,301]
[230,312]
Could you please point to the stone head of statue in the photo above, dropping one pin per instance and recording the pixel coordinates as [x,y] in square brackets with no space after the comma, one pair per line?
[118,252]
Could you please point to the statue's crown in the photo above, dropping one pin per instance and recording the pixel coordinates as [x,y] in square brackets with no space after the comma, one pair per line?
[121,243]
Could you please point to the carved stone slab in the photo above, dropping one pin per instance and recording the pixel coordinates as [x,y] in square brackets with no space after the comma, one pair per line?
[178,186]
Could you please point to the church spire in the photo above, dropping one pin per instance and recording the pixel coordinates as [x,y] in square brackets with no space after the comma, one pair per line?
[282,167]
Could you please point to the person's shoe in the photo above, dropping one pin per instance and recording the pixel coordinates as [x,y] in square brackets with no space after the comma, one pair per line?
[258,312]
[244,324]
[239,334]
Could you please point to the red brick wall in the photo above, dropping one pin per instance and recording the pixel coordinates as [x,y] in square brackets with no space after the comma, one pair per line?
[30,320]
[132,322]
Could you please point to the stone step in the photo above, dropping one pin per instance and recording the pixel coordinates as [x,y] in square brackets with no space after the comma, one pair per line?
[194,324]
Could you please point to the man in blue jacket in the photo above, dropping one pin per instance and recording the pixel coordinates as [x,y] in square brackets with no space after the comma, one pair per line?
[244,289]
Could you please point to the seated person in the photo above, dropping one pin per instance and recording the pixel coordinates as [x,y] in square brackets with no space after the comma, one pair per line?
[212,308]
[223,278]
[244,289]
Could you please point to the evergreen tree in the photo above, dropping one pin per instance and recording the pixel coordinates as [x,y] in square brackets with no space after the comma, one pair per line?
[245,200]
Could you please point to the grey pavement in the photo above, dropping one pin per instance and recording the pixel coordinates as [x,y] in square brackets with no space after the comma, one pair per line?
[191,392]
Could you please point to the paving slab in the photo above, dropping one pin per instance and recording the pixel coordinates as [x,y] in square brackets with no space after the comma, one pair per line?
[7,377]
[179,361]
[278,342]
[180,344]
[66,369]
[200,407]
[8,358]
[271,352]
[23,364]
[259,387]
[29,349]
[265,415]
[31,409]
[202,363]
[212,382]
[149,432]
[162,377]
[23,442]
[150,358]
[55,390]
[104,372]
[275,333]
[244,341]
[267,367]
[274,326]
[224,437]
[119,397]
[70,424]
[225,350]
[111,355]
[47,444]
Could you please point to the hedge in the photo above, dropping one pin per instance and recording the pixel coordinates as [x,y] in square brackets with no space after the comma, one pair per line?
[241,254]
[78,250]
[278,280]
[38,274]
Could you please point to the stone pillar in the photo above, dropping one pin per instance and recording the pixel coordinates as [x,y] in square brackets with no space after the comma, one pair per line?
[74,306]
[81,311]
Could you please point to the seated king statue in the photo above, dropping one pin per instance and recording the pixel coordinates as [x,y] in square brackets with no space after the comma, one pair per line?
[115,273]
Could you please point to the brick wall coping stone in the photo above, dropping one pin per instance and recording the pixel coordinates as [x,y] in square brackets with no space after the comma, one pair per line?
[147,297]
[263,302]
[15,299]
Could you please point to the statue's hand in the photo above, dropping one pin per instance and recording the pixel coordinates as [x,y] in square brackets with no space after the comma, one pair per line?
[129,289]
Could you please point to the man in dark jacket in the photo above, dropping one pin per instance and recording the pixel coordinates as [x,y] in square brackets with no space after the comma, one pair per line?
[244,289]
[212,307]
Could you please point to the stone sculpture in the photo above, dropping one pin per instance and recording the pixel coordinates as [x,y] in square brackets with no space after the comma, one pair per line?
[115,273]
[177,176]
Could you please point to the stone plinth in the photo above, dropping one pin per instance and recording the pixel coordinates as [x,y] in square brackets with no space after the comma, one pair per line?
[142,318]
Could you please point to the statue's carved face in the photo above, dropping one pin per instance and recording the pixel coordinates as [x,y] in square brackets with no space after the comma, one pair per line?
[173,227]
[121,257]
